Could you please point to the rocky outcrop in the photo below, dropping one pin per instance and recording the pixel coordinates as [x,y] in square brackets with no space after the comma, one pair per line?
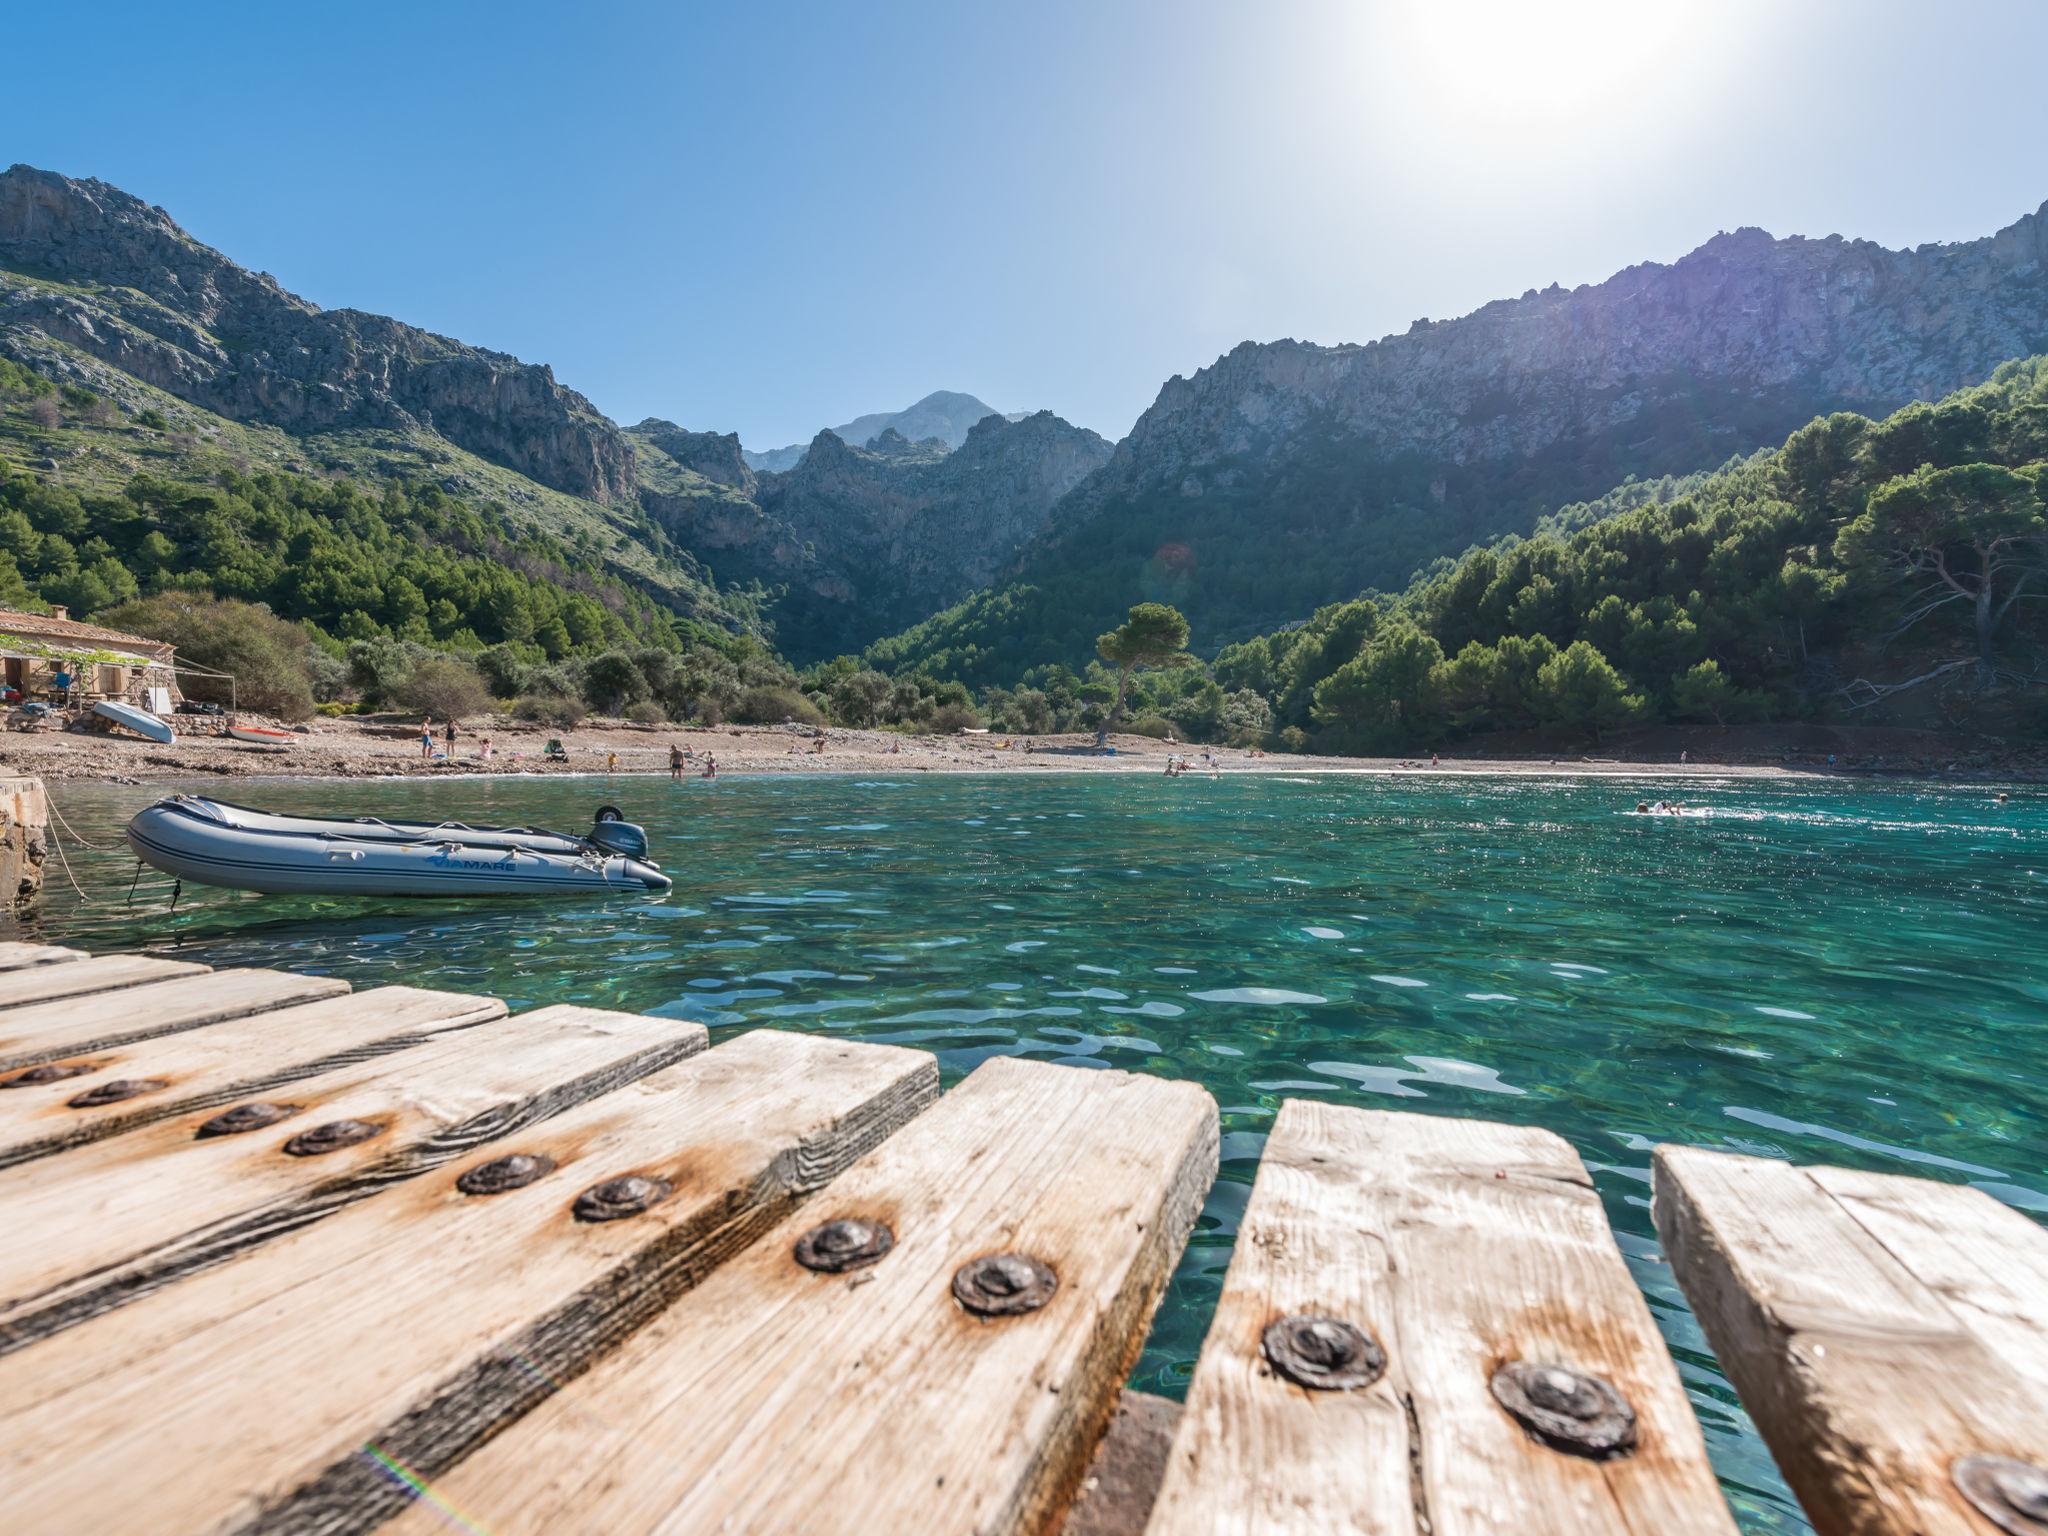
[95,268]
[715,456]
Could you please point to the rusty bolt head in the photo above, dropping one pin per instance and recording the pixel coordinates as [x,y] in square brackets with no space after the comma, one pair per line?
[331,1136]
[1321,1352]
[245,1117]
[1003,1284]
[114,1092]
[1571,1411]
[2012,1495]
[852,1242]
[55,1072]
[628,1195]
[514,1171]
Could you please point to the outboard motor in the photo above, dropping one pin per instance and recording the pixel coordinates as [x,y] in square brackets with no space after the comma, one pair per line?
[614,834]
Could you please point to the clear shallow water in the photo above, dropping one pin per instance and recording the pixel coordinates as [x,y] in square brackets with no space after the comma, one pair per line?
[1837,972]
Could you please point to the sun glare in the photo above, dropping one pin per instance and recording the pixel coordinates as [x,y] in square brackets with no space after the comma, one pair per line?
[1499,64]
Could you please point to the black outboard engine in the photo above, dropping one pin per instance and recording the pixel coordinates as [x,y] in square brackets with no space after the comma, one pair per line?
[614,834]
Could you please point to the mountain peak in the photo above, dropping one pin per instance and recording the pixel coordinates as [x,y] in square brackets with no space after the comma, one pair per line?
[945,414]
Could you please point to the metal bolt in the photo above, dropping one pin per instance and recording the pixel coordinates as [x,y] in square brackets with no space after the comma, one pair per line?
[332,1136]
[515,1171]
[2012,1495]
[1324,1353]
[852,1242]
[1571,1411]
[628,1195]
[56,1072]
[114,1092]
[1003,1284]
[245,1117]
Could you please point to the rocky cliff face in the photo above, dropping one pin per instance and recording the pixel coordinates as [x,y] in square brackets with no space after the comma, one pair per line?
[860,541]
[1785,327]
[1287,474]
[93,267]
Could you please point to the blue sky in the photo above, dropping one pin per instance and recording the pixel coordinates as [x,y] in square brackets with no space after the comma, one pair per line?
[768,218]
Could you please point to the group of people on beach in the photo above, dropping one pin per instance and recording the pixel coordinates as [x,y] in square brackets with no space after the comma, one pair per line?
[679,757]
[449,731]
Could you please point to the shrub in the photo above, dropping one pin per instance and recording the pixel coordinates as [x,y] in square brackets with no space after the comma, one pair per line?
[444,688]
[1155,726]
[154,419]
[265,656]
[772,706]
[950,718]
[646,712]
[613,681]
[560,710]
[1293,739]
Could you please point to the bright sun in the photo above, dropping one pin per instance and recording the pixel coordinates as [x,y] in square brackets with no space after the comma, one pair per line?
[1523,64]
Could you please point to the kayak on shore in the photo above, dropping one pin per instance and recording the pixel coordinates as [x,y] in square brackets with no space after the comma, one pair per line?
[212,842]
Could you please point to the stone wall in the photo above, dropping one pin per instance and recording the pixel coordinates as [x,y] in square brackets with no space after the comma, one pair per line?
[24,840]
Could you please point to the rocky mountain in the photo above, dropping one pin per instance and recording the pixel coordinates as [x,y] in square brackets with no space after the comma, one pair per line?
[856,542]
[944,414]
[1287,475]
[86,265]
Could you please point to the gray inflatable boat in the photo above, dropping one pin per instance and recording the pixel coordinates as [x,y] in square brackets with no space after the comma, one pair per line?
[212,842]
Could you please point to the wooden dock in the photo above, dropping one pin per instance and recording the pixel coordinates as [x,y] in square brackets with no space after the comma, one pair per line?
[283,1257]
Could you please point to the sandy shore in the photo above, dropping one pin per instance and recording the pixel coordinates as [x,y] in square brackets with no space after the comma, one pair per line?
[379,747]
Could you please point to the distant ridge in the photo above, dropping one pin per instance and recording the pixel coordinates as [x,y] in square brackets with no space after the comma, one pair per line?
[944,414]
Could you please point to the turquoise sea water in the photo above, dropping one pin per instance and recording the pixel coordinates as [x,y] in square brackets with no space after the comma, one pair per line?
[1833,972]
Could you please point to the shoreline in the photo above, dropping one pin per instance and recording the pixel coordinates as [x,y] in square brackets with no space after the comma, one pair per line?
[386,749]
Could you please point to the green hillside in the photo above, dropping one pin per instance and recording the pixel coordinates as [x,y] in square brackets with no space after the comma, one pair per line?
[1879,571]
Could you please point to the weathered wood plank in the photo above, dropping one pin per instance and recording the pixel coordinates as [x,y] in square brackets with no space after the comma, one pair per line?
[775,1399]
[1459,1247]
[70,1026]
[1879,1329]
[107,973]
[294,1389]
[208,1069]
[14,955]
[114,1221]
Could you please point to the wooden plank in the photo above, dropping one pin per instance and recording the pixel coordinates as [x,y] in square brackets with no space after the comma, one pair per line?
[293,1389]
[779,1400]
[111,1222]
[108,973]
[70,1026]
[15,955]
[207,1069]
[1127,1468]
[1460,1247]
[1878,1329]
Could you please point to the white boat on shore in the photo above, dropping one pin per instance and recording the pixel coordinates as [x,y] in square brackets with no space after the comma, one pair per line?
[211,842]
[262,735]
[140,721]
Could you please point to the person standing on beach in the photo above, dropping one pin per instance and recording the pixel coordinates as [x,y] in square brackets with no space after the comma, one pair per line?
[448,734]
[675,763]
[710,766]
[426,738]
[611,763]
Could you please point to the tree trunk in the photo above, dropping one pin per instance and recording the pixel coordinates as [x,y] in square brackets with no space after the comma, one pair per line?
[1116,710]
[1984,622]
